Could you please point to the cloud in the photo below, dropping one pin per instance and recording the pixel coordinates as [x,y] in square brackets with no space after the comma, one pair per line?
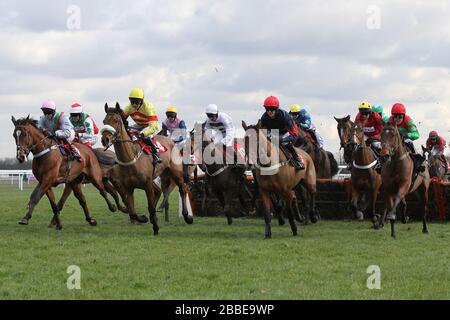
[191,53]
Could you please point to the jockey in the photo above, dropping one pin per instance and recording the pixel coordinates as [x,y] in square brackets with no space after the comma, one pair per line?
[276,118]
[57,124]
[84,126]
[146,121]
[303,119]
[436,145]
[408,130]
[379,109]
[221,125]
[373,124]
[174,126]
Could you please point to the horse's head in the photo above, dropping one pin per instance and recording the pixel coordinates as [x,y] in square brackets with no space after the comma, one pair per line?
[26,135]
[114,124]
[390,140]
[344,126]
[359,134]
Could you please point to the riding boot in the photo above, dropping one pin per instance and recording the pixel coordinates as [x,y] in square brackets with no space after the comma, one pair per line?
[149,141]
[74,152]
[298,164]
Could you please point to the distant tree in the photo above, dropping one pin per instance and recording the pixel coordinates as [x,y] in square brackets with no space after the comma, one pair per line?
[13,164]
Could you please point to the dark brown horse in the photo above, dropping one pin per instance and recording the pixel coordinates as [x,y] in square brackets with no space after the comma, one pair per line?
[345,129]
[136,169]
[51,168]
[275,175]
[436,166]
[227,181]
[396,176]
[365,180]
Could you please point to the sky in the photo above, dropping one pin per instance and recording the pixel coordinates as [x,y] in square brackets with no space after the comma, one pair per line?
[324,55]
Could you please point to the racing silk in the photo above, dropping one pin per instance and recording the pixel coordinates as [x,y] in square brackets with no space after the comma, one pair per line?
[59,125]
[439,143]
[304,120]
[224,124]
[85,129]
[144,116]
[283,122]
[385,118]
[373,125]
[407,128]
[176,130]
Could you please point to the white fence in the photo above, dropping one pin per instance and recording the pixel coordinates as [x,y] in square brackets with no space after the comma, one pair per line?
[16,175]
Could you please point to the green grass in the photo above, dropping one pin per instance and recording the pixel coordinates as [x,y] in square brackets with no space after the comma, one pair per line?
[209,259]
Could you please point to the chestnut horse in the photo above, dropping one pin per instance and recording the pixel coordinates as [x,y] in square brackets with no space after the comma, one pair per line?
[365,180]
[51,168]
[396,176]
[436,166]
[275,175]
[136,168]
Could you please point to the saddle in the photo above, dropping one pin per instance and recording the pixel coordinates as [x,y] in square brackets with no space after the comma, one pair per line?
[145,147]
[310,136]
[69,151]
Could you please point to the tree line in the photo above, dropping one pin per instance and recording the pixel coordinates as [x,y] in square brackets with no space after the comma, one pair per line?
[13,164]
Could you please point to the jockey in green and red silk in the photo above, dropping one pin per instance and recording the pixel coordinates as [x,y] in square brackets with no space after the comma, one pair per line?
[57,124]
[373,124]
[276,118]
[405,125]
[85,129]
[379,109]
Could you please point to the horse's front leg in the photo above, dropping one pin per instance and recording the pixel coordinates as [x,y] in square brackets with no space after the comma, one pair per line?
[78,192]
[266,202]
[36,196]
[288,197]
[65,195]
[356,199]
[152,207]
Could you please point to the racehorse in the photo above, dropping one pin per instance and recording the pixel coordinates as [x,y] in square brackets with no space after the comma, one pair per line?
[396,176]
[326,165]
[275,175]
[227,181]
[136,168]
[436,166]
[345,129]
[365,180]
[51,168]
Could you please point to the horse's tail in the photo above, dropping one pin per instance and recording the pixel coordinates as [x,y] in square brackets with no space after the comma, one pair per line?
[334,168]
[107,158]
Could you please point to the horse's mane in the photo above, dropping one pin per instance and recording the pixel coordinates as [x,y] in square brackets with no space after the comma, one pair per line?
[25,121]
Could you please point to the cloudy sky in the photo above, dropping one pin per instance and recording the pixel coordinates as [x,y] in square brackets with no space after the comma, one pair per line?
[327,55]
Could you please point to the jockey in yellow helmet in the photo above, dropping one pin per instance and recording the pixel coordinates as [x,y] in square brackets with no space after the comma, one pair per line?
[146,121]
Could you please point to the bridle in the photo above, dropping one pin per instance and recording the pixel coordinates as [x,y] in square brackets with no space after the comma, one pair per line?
[29,147]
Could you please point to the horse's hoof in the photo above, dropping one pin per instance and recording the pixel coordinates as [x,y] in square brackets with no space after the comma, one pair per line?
[92,222]
[281,222]
[142,219]
[267,237]
[188,219]
[294,233]
[425,231]
[59,227]
[113,208]
[155,232]
[314,219]
[23,222]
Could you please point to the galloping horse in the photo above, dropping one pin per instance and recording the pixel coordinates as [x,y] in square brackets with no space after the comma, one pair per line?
[277,176]
[396,176]
[51,168]
[365,180]
[227,181]
[136,168]
[345,129]
[436,167]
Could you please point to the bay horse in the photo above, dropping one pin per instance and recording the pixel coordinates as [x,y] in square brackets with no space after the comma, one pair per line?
[51,168]
[436,167]
[136,169]
[396,176]
[226,180]
[347,140]
[275,175]
[365,180]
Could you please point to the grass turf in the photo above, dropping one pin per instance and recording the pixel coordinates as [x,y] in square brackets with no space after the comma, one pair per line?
[209,259]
